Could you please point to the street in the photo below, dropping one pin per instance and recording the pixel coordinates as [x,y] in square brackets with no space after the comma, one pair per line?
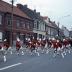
[34,63]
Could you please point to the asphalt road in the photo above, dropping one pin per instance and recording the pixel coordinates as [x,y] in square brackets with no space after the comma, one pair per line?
[34,63]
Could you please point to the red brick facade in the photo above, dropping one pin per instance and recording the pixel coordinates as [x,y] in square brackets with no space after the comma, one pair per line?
[22,24]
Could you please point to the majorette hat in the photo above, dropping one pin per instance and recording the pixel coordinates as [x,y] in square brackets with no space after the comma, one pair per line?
[18,39]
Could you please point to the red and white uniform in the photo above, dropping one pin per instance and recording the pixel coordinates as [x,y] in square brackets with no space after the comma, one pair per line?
[18,44]
[6,44]
[54,43]
[59,44]
[65,42]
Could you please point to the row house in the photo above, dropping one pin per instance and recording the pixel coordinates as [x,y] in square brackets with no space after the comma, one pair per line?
[22,26]
[65,31]
[51,27]
[70,33]
[39,23]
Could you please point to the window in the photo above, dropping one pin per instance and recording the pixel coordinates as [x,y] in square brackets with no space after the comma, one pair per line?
[40,36]
[18,34]
[21,24]
[18,23]
[9,22]
[24,25]
[0,19]
[28,25]
[31,25]
[35,24]
[0,36]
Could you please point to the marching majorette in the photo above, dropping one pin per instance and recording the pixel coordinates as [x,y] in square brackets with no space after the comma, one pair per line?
[59,49]
[3,53]
[38,44]
[6,44]
[43,42]
[18,46]
[32,46]
[4,48]
[54,43]
[49,43]
[65,43]
[54,46]
[26,42]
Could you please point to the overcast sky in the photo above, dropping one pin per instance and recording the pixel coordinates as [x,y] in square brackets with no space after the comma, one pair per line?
[57,10]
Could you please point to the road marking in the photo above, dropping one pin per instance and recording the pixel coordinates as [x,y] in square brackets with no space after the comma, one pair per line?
[10,66]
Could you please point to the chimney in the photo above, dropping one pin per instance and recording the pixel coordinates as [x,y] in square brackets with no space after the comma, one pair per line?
[49,19]
[38,13]
[54,21]
[25,6]
[35,10]
[19,5]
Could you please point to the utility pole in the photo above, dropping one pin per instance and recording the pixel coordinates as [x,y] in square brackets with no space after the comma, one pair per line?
[12,23]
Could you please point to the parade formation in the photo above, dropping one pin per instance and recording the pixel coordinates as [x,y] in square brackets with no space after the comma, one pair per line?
[37,46]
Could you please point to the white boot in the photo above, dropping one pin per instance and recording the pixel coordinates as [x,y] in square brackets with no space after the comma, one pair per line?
[4,58]
[38,54]
[35,51]
[47,51]
[11,52]
[54,55]
[65,53]
[22,53]
[69,51]
[62,55]
[17,53]
[31,53]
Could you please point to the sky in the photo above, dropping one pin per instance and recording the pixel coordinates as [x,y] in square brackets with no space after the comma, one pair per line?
[57,10]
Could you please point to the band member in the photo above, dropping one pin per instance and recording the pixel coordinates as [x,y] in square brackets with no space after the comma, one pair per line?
[43,42]
[59,44]
[6,44]
[65,42]
[49,42]
[3,49]
[54,44]
[18,44]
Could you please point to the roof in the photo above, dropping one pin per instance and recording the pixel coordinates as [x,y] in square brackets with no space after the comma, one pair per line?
[45,17]
[28,11]
[48,23]
[54,24]
[6,7]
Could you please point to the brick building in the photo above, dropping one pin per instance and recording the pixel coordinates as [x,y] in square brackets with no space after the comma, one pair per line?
[39,23]
[22,24]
